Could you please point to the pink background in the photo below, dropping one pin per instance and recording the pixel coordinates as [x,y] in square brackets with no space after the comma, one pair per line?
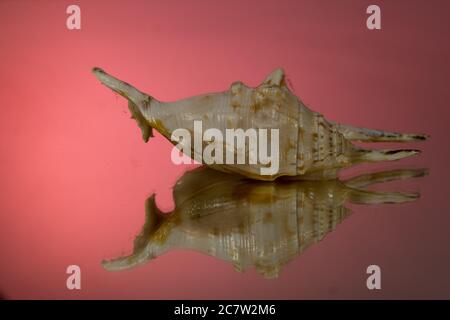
[75,172]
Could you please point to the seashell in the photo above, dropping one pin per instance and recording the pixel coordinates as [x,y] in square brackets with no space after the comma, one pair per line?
[310,147]
[253,223]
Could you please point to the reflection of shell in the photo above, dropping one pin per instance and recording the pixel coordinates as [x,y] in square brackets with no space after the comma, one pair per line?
[250,223]
[309,146]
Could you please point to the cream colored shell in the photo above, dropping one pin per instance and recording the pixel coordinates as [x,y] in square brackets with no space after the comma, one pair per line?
[310,147]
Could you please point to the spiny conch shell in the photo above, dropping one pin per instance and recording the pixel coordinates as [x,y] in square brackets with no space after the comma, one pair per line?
[253,223]
[309,146]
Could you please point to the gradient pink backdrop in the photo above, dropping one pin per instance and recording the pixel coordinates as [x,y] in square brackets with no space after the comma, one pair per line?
[75,172]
